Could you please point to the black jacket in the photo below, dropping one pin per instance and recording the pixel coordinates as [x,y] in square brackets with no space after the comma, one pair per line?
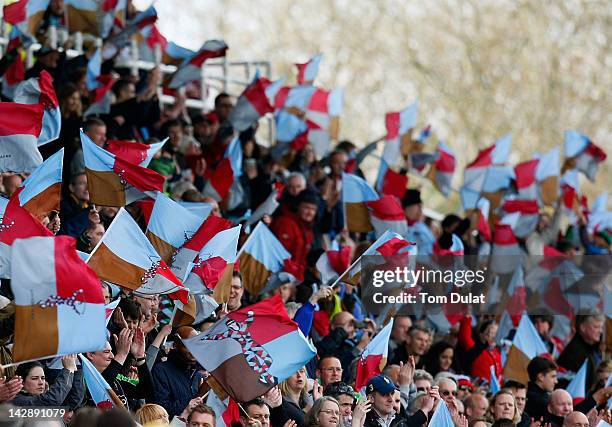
[574,354]
[337,344]
[417,420]
[55,396]
[537,401]
[126,391]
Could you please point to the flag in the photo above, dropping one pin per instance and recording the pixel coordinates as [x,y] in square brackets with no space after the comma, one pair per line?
[581,153]
[355,194]
[126,258]
[505,249]
[483,206]
[228,170]
[191,69]
[40,91]
[256,101]
[526,345]
[20,126]
[529,214]
[199,208]
[112,14]
[494,382]
[14,73]
[261,256]
[253,349]
[83,16]
[373,359]
[307,72]
[322,117]
[391,182]
[456,248]
[442,170]
[15,223]
[213,268]
[289,104]
[387,213]
[198,308]
[577,387]
[441,416]
[113,181]
[102,97]
[109,308]
[26,15]
[333,262]
[143,22]
[190,250]
[227,410]
[102,394]
[170,226]
[267,207]
[40,192]
[547,176]
[517,304]
[134,152]
[398,139]
[58,298]
[174,54]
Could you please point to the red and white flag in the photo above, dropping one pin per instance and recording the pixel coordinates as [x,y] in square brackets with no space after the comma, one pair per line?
[333,262]
[373,359]
[386,213]
[307,72]
[27,16]
[15,57]
[113,181]
[581,153]
[126,258]
[228,170]
[256,101]
[191,69]
[40,192]
[529,214]
[505,250]
[390,182]
[442,170]
[58,298]
[134,152]
[20,126]
[322,117]
[227,410]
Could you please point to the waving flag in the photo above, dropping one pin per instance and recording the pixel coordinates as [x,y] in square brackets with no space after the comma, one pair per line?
[40,91]
[113,181]
[15,223]
[20,126]
[134,152]
[529,214]
[143,22]
[333,262]
[441,416]
[111,306]
[505,249]
[261,256]
[170,226]
[214,266]
[391,182]
[190,250]
[229,170]
[307,72]
[494,386]
[99,85]
[126,258]
[355,195]
[291,104]
[198,308]
[517,304]
[199,208]
[581,153]
[14,56]
[386,213]
[539,178]
[174,54]
[227,411]
[322,118]
[256,101]
[373,359]
[441,172]
[102,394]
[253,349]
[59,301]
[40,192]
[112,14]
[83,16]
[26,15]
[526,345]
[398,139]
[191,69]
[483,207]
[577,387]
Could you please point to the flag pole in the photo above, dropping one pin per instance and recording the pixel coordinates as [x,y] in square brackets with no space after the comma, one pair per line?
[242,248]
[346,271]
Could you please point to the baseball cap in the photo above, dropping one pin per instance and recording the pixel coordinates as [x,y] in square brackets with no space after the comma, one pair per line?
[381,384]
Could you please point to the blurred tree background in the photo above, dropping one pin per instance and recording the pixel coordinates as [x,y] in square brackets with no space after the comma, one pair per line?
[480,68]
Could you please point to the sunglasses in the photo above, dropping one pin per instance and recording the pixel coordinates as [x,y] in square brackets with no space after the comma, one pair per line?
[448,393]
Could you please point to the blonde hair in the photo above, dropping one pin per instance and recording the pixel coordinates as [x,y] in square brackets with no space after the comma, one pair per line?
[152,414]
[516,417]
[286,389]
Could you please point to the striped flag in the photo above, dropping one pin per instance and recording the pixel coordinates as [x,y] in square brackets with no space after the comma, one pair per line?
[399,133]
[261,256]
[175,55]
[27,16]
[40,91]
[190,70]
[442,170]
[170,226]
[505,249]
[256,101]
[289,103]
[112,14]
[577,387]
[517,304]
[355,194]
[99,85]
[190,250]
[40,192]
[386,213]
[484,207]
[322,117]
[307,72]
[15,223]
[213,268]
[58,298]
[253,349]
[111,306]
[547,176]
[529,214]
[227,410]
[113,181]
[83,16]
[126,258]
[102,394]
[581,153]
[134,152]
[373,359]
[20,126]
[526,345]
[228,170]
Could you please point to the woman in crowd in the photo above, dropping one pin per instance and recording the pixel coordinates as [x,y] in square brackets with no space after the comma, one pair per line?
[503,407]
[440,358]
[295,396]
[152,414]
[324,413]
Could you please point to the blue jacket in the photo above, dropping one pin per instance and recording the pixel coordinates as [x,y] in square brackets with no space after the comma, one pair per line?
[175,383]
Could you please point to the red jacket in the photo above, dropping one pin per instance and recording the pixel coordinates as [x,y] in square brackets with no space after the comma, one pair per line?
[479,357]
[295,235]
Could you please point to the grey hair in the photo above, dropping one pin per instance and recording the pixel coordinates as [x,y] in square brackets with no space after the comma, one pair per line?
[422,374]
[297,175]
[312,417]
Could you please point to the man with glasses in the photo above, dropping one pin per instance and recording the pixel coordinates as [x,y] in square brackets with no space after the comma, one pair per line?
[329,370]
[345,395]
[448,390]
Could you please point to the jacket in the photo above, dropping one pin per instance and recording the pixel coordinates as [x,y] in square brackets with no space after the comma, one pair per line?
[574,354]
[55,396]
[295,235]
[479,357]
[374,420]
[337,344]
[537,401]
[175,384]
[126,391]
